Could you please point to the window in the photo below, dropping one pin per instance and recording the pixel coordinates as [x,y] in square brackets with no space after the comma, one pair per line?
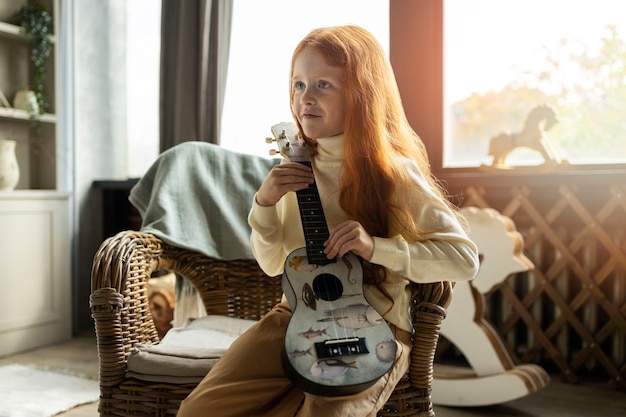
[257,81]
[502,59]
[257,94]
[143,34]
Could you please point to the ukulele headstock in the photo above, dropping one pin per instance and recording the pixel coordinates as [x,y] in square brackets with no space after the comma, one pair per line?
[290,144]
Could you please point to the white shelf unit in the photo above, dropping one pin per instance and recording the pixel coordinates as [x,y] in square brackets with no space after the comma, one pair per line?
[36,144]
[35,218]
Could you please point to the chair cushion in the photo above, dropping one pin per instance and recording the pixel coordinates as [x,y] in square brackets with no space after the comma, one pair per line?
[187,353]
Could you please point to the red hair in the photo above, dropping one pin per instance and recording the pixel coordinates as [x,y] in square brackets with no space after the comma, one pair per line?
[376,131]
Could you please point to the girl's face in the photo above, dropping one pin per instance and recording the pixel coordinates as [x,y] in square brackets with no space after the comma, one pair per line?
[318,96]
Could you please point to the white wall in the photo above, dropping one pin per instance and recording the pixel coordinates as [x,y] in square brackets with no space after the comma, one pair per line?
[99,125]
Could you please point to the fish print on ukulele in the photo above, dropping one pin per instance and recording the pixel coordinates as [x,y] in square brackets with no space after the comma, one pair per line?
[386,351]
[312,334]
[301,264]
[308,296]
[300,353]
[355,316]
[331,368]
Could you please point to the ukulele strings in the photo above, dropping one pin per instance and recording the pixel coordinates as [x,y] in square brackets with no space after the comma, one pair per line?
[314,226]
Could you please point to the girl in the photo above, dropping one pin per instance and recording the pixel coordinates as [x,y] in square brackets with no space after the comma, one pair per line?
[380,202]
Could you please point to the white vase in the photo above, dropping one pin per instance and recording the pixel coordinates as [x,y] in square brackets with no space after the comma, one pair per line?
[26,99]
[9,170]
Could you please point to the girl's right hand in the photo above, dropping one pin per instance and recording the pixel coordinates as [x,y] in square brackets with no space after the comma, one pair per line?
[285,177]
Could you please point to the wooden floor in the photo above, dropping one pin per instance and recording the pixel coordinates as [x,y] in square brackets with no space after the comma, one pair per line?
[590,398]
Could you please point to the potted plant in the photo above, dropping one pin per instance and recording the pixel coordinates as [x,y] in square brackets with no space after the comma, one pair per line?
[37,22]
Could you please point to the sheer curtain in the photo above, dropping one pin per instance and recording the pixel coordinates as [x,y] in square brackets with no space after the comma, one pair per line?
[195,41]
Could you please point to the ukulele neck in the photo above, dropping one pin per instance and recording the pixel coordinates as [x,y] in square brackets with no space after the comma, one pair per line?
[313,223]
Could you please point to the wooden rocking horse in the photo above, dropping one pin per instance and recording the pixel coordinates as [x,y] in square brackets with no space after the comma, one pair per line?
[493,377]
[540,120]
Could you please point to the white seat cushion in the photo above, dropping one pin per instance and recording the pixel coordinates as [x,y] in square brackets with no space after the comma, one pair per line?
[186,354]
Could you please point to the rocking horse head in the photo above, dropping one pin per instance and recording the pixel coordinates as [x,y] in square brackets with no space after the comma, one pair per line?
[543,117]
[499,244]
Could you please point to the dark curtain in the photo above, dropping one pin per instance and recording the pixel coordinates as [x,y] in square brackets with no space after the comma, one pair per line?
[195,41]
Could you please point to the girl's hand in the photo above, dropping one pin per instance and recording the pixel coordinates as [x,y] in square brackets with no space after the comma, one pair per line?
[289,176]
[349,236]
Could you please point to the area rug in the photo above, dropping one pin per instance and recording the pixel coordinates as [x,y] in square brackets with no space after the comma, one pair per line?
[30,392]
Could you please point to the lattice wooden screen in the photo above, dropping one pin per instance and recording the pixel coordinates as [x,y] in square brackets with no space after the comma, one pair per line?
[570,311]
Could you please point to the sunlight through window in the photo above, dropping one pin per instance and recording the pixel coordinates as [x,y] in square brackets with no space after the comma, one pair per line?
[264,35]
[143,31]
[502,59]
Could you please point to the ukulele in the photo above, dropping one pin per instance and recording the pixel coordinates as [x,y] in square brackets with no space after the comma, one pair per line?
[336,343]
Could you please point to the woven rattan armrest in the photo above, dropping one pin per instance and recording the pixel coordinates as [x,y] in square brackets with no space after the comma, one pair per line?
[119,299]
[412,396]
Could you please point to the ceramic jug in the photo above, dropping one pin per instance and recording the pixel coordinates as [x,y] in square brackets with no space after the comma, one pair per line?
[26,99]
[9,170]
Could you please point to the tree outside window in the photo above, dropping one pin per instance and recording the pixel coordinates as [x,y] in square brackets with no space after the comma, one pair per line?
[569,55]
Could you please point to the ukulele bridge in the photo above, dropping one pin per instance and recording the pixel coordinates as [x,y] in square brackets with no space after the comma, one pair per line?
[333,348]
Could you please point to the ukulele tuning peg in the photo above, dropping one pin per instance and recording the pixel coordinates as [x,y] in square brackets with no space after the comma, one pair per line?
[269,140]
[274,152]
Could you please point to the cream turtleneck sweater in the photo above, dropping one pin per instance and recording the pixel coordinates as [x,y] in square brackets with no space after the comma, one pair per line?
[444,254]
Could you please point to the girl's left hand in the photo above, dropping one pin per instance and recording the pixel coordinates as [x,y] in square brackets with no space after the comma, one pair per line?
[349,236]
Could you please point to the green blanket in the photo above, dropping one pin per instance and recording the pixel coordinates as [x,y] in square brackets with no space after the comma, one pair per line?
[197,196]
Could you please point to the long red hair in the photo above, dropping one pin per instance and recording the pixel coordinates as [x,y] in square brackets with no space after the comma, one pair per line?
[376,132]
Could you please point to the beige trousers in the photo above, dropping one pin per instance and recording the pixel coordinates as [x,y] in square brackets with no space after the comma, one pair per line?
[249,380]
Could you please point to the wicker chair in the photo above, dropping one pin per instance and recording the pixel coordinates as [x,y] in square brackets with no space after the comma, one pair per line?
[120,309]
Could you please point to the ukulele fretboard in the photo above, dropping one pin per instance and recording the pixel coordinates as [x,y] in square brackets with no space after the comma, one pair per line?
[313,223]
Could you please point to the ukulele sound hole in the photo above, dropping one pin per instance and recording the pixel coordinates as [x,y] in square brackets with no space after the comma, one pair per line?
[327,287]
